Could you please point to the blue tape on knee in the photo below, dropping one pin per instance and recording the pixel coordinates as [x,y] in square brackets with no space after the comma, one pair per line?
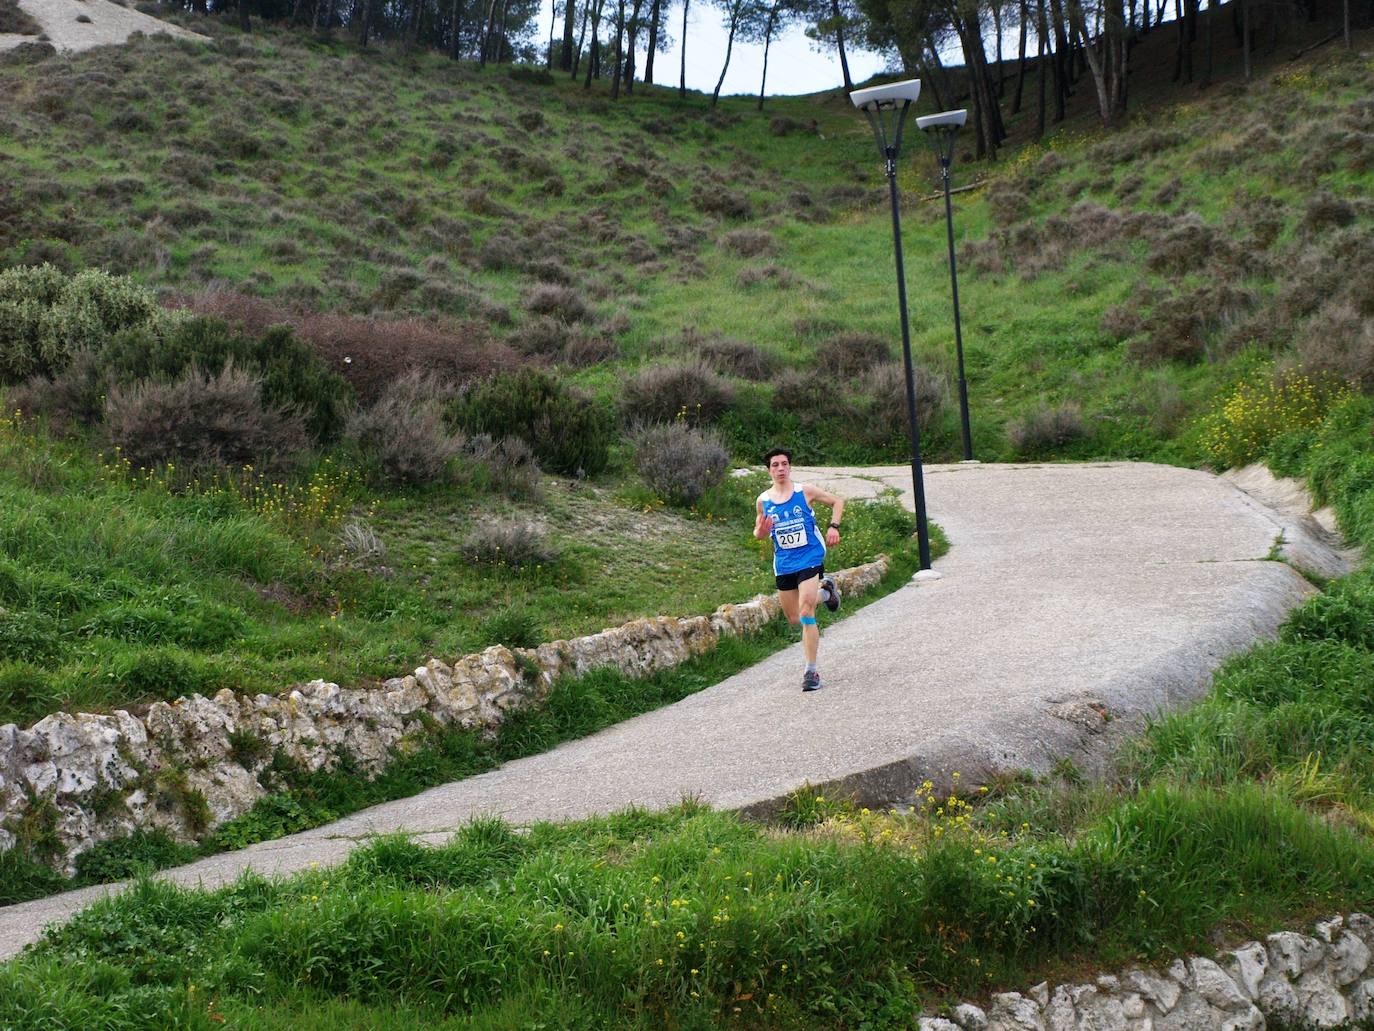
[808,621]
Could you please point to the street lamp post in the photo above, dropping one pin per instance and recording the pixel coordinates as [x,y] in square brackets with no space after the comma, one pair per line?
[942,129]
[886,109]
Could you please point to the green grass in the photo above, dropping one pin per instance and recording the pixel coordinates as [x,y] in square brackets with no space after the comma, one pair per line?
[574,708]
[118,593]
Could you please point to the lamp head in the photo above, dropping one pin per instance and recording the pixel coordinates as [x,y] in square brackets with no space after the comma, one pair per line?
[890,95]
[944,120]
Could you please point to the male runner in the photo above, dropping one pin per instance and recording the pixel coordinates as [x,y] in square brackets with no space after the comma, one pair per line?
[785,515]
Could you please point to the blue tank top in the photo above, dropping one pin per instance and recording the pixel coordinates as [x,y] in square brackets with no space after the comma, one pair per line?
[796,543]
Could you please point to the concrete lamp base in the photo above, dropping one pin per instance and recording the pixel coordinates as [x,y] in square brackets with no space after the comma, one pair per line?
[927,574]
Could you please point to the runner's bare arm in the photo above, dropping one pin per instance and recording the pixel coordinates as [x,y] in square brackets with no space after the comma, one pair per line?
[836,503]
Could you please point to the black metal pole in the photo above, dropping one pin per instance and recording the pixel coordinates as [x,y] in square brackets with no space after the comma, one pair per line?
[954,290]
[917,483]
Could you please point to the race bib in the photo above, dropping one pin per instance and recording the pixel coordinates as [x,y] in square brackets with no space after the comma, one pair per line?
[791,535]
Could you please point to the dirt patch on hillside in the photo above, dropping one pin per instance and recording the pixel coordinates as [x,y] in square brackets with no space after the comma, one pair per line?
[71,25]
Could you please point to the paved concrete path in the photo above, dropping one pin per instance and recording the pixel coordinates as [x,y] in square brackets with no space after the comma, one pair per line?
[1075,600]
[106,23]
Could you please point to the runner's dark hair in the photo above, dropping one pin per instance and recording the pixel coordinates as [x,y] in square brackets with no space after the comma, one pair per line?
[768,458]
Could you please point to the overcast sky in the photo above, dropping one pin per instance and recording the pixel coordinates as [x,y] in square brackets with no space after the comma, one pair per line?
[794,65]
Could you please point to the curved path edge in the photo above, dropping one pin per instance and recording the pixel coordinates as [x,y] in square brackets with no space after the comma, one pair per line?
[1075,602]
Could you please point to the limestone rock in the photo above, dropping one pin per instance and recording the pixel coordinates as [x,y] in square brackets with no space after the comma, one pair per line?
[1246,966]
[1012,1011]
[1215,987]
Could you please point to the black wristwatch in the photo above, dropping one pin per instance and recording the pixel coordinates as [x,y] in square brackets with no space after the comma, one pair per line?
[834,526]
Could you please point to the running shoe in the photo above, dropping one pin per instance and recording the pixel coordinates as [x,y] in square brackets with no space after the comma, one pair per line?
[811,681]
[832,601]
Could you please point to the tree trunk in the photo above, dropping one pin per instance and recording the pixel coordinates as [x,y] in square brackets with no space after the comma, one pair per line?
[364,28]
[633,39]
[654,12]
[996,6]
[839,45]
[243,18]
[729,46]
[553,26]
[682,75]
[1041,60]
[1061,60]
[1183,56]
[486,34]
[1206,79]
[767,42]
[1079,25]
[1245,33]
[581,38]
[565,59]
[413,24]
[619,48]
[1020,61]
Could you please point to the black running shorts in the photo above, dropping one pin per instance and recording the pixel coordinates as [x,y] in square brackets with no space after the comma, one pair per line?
[789,581]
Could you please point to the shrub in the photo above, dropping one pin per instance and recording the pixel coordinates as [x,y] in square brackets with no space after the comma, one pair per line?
[404,432]
[500,252]
[726,203]
[797,391]
[507,542]
[734,357]
[690,391]
[846,355]
[219,419]
[569,433]
[1046,430]
[369,353]
[291,375]
[750,243]
[514,626]
[1338,344]
[883,390]
[679,462]
[1325,211]
[772,273]
[1264,407]
[507,464]
[72,398]
[46,317]
[560,302]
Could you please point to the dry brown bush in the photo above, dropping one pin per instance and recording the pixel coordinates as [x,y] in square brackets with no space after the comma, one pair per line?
[563,303]
[795,390]
[750,243]
[1046,430]
[1008,200]
[983,256]
[1178,326]
[732,357]
[543,336]
[1325,211]
[586,349]
[1338,343]
[882,389]
[506,465]
[846,355]
[772,274]
[199,420]
[691,391]
[679,462]
[368,352]
[404,432]
[726,203]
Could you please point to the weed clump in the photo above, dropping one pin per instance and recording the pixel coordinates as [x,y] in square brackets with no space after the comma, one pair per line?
[846,355]
[679,462]
[1046,430]
[731,357]
[202,419]
[403,434]
[1264,407]
[750,243]
[558,302]
[507,542]
[689,391]
[568,432]
[1338,344]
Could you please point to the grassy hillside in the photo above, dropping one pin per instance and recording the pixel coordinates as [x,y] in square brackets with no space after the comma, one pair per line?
[1187,288]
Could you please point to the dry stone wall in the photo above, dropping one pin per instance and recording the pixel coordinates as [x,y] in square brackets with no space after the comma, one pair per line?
[187,766]
[1322,980]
